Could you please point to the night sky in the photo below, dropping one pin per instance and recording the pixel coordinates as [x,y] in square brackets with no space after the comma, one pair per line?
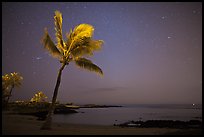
[152,52]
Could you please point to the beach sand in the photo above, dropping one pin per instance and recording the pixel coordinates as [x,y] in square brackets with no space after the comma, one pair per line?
[29,125]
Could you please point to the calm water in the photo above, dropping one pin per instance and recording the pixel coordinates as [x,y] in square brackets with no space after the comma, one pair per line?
[116,115]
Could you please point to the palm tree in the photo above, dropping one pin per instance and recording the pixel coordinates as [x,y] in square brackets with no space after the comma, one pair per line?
[9,81]
[6,80]
[39,97]
[79,43]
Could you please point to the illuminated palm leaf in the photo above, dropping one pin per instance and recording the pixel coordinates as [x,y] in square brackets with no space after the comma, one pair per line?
[6,82]
[83,30]
[69,40]
[87,64]
[16,79]
[95,44]
[50,46]
[13,79]
[87,48]
[80,34]
[81,51]
[58,28]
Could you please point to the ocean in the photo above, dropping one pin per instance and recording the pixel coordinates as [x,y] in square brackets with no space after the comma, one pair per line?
[118,115]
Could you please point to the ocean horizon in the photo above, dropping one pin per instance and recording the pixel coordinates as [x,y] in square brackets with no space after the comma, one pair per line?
[135,112]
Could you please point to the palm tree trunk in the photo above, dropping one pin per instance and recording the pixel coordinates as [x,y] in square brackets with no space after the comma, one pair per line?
[9,96]
[47,124]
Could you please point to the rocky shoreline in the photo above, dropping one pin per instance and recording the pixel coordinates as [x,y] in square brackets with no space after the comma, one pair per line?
[41,115]
[40,109]
[163,124]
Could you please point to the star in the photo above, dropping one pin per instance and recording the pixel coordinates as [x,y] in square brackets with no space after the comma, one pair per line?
[168,37]
[38,58]
[163,17]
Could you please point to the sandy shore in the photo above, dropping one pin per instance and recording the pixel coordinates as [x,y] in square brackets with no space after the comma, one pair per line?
[29,125]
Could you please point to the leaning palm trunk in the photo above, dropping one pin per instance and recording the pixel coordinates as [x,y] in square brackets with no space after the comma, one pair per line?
[47,124]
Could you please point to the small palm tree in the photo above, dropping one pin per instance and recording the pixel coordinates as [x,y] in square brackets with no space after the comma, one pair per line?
[79,43]
[39,97]
[5,82]
[9,81]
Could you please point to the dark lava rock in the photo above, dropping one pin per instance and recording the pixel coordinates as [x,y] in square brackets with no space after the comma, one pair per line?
[163,124]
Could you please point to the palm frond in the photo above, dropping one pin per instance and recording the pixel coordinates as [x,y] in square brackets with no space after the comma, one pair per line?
[87,48]
[81,51]
[50,46]
[83,30]
[6,81]
[80,34]
[58,28]
[38,97]
[69,40]
[95,44]
[12,79]
[87,64]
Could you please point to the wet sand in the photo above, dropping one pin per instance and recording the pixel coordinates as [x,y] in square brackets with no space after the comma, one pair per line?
[29,125]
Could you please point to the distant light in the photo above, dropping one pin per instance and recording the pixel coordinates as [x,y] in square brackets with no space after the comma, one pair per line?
[168,37]
[193,104]
[39,58]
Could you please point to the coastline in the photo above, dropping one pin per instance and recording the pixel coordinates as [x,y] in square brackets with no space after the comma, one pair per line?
[14,124]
